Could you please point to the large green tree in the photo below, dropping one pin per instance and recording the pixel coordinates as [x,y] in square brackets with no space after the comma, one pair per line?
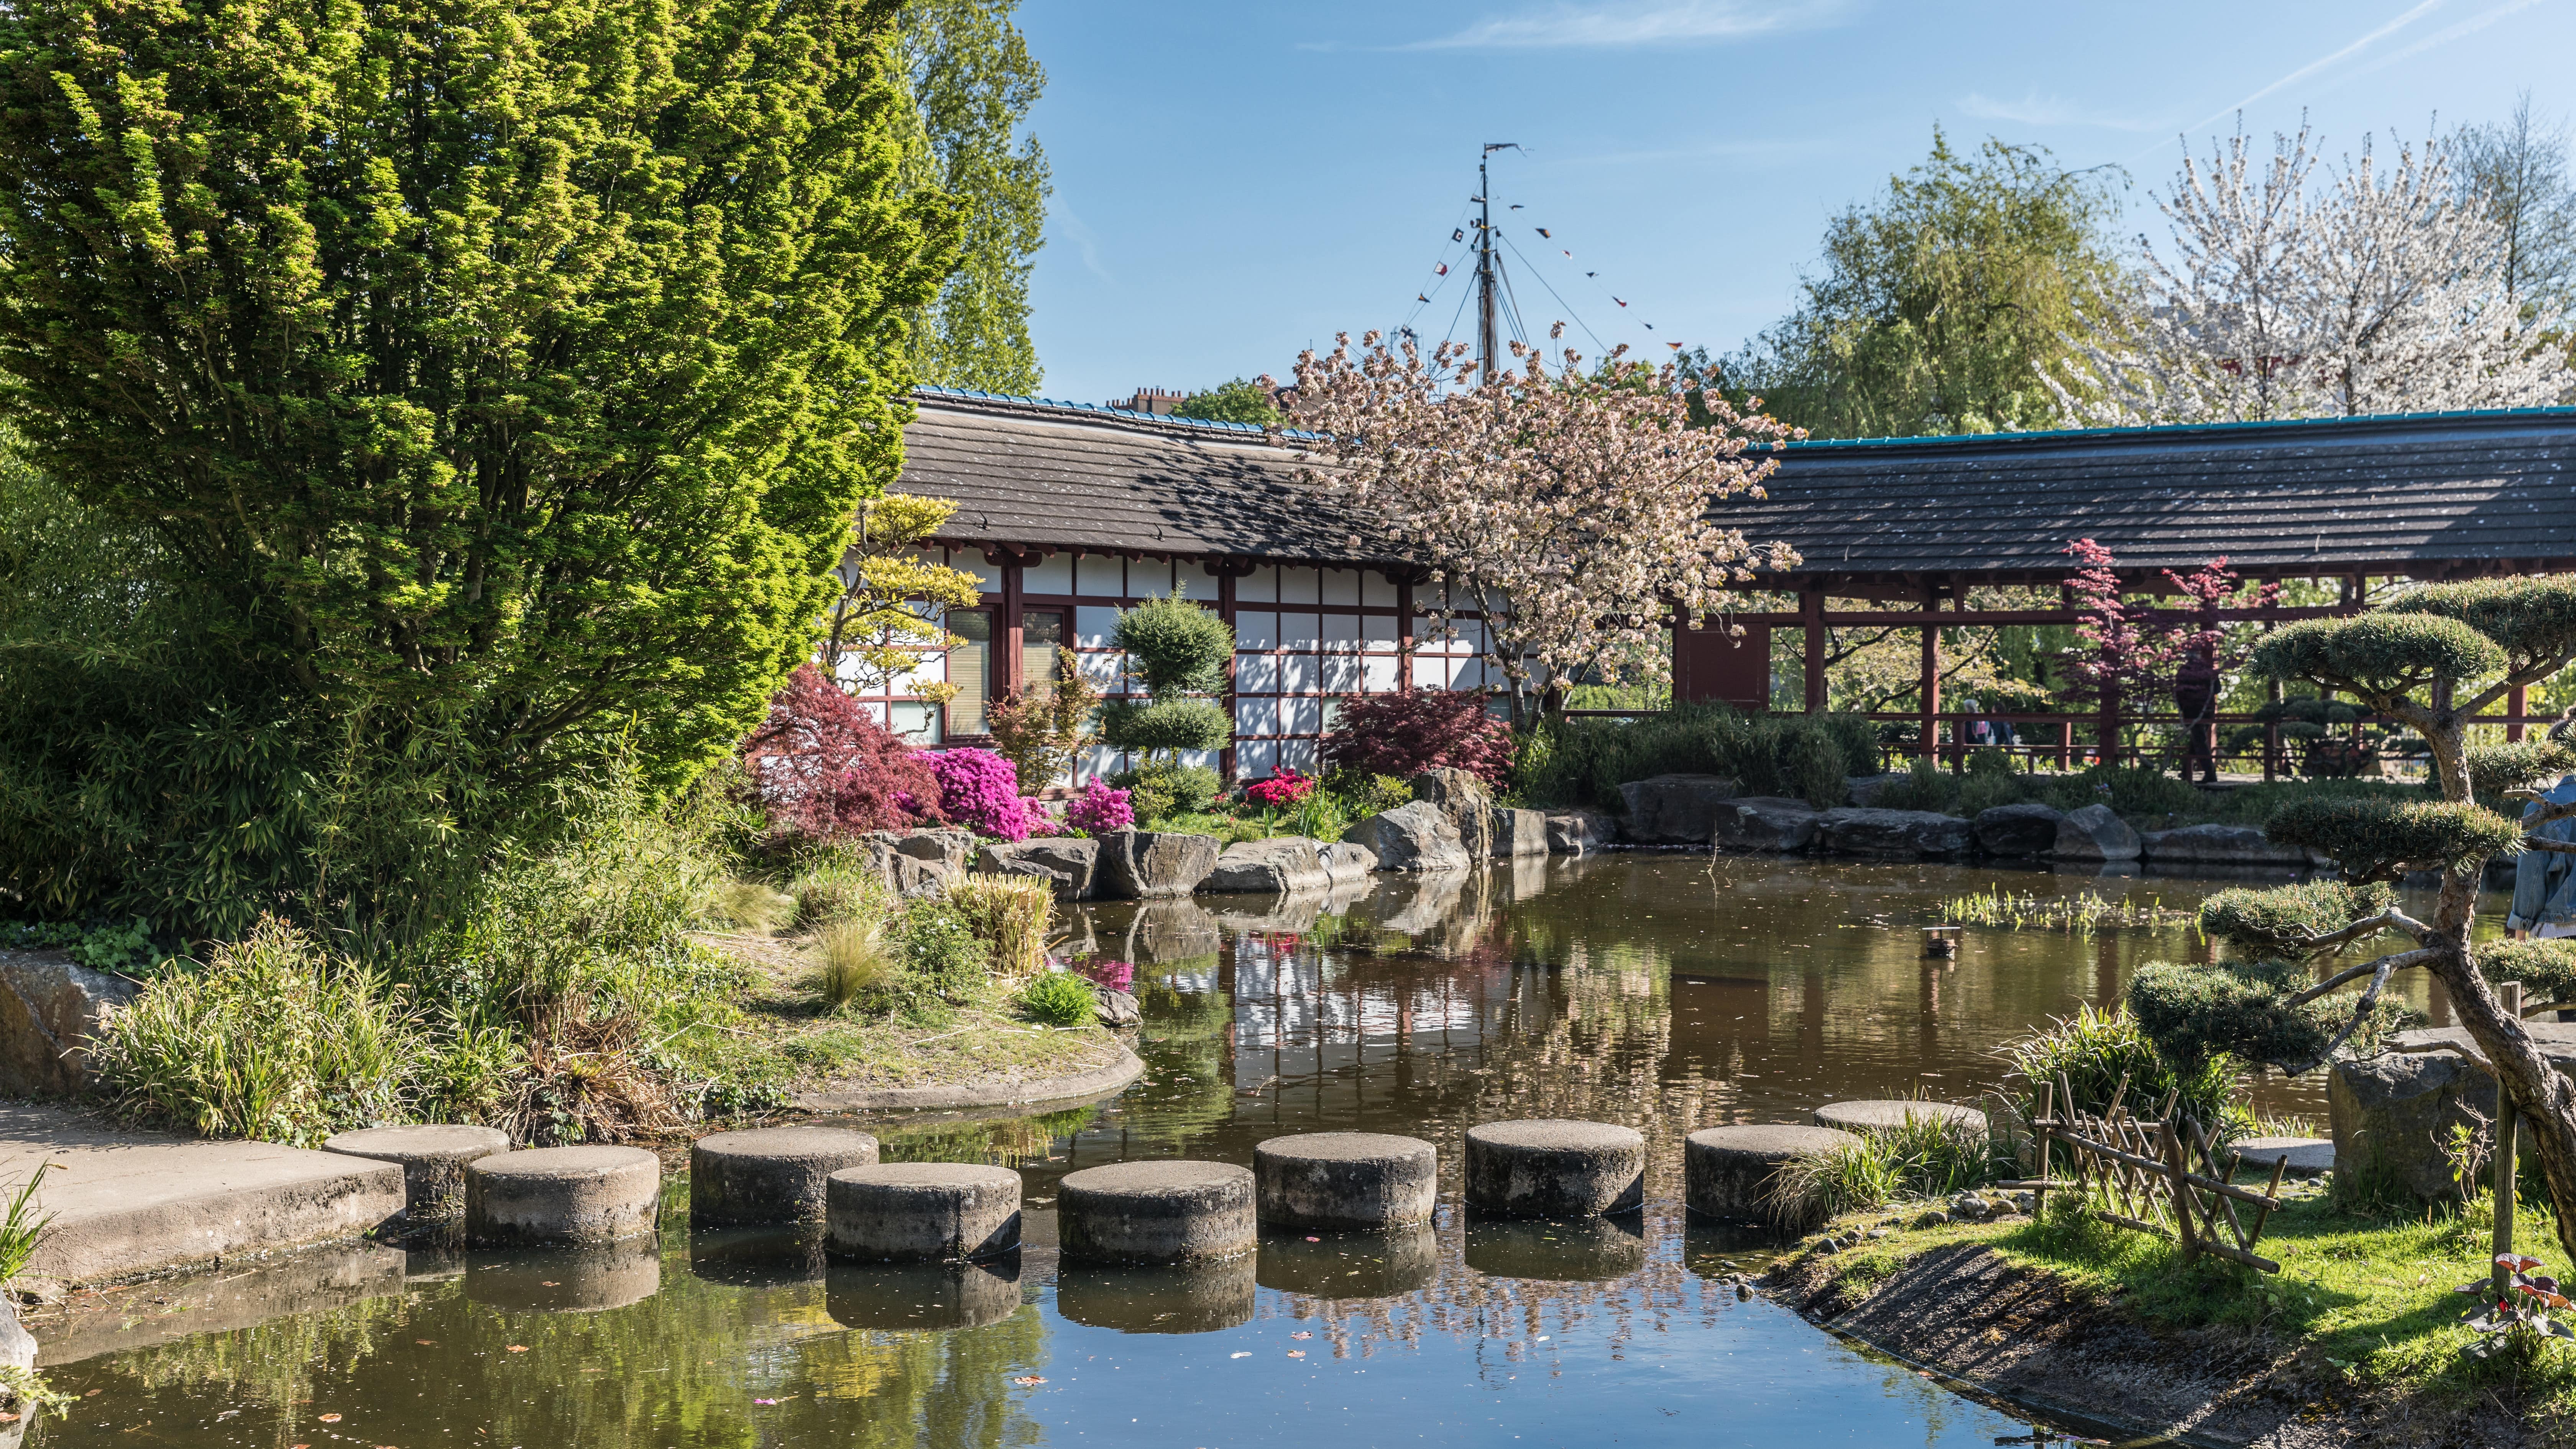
[1936,303]
[494,382]
[972,81]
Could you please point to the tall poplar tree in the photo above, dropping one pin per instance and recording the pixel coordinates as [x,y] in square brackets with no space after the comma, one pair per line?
[494,381]
[972,81]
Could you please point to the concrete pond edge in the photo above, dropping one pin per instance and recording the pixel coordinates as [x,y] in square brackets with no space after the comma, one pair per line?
[1076,1089]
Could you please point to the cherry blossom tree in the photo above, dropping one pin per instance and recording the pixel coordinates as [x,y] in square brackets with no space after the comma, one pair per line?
[2381,290]
[1567,517]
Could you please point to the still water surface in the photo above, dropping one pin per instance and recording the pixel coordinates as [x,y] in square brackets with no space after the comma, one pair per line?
[1666,992]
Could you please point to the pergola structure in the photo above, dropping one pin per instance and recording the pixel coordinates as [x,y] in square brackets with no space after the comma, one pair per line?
[1897,532]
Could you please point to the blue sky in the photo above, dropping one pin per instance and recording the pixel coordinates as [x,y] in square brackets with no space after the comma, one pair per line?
[1237,181]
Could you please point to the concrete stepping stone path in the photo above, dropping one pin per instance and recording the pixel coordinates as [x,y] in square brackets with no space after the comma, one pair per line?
[770,1174]
[561,1195]
[1726,1170]
[1156,1212]
[921,1212]
[1555,1168]
[432,1159]
[1334,1182]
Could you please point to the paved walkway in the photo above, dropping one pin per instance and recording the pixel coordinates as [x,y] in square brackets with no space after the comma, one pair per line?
[129,1202]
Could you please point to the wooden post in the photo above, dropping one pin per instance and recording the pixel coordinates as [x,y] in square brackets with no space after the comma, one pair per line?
[2047,1122]
[2517,702]
[2508,1130]
[1225,602]
[1928,697]
[2178,1168]
[1812,604]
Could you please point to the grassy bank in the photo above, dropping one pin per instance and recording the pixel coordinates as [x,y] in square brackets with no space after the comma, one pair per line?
[2362,1311]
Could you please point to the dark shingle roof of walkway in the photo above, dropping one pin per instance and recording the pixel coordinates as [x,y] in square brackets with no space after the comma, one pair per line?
[2433,494]
[1063,476]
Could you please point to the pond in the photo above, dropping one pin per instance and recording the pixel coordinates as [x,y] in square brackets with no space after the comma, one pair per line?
[1666,992]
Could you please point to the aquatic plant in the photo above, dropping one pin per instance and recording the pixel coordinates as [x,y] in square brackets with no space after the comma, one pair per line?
[2082,914]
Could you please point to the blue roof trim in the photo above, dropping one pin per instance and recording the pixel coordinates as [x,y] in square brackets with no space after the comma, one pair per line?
[2175,430]
[1102,410]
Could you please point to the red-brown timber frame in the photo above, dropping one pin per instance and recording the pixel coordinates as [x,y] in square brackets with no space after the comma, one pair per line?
[1711,664]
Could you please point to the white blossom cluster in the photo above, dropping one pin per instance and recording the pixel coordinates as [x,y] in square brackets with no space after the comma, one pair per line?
[2385,291]
[1568,511]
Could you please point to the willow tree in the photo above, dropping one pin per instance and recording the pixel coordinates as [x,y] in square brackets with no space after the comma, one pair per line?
[495,380]
[2432,660]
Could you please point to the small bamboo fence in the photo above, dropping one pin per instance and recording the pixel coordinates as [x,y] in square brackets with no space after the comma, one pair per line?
[2162,1175]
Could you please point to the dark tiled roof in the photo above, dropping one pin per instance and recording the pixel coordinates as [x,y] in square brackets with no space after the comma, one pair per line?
[1064,476]
[2476,491]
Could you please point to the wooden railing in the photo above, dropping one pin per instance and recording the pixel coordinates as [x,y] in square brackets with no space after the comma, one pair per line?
[2163,1176]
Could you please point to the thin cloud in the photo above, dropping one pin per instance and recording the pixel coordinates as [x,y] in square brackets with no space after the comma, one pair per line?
[1084,240]
[2418,12]
[1638,22]
[2035,109]
[2444,36]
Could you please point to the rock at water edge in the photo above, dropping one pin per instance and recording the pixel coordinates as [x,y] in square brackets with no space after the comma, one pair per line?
[1066,863]
[1466,801]
[49,1006]
[1518,833]
[1674,809]
[1765,823]
[2095,833]
[1277,866]
[1416,838]
[2017,831]
[1891,834]
[1579,832]
[1140,865]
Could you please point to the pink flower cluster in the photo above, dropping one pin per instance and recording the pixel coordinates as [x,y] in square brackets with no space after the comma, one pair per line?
[1281,790]
[981,791]
[1100,809]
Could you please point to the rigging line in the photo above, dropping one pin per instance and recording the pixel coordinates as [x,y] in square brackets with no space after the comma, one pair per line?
[1456,225]
[1454,316]
[1511,303]
[1560,298]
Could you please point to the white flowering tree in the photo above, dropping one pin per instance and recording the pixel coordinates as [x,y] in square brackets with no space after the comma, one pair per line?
[1571,514]
[2383,290]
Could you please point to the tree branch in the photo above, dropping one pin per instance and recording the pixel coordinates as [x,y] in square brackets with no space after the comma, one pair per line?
[2560,847]
[2360,1013]
[2398,962]
[2366,926]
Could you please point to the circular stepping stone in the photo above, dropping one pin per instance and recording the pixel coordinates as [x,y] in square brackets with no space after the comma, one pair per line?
[432,1158]
[1199,1298]
[2308,1156]
[561,1195]
[1380,1265]
[567,1280]
[1555,1169]
[1567,1250]
[1156,1212]
[1726,1170]
[1341,1182]
[901,1296]
[1868,1118]
[921,1212]
[770,1174]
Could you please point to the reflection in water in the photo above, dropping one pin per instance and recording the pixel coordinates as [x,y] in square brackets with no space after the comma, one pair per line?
[1665,992]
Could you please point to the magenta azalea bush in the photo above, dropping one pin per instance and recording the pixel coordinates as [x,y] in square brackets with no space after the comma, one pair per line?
[1279,791]
[1099,809]
[981,791]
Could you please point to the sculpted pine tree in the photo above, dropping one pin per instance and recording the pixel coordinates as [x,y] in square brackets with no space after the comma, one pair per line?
[2431,660]
[1566,517]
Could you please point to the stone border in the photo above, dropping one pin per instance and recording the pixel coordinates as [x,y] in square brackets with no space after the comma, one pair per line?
[1044,1092]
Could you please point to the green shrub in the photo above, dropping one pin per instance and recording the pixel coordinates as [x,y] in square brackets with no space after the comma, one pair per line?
[2374,839]
[2546,969]
[854,962]
[1161,791]
[1058,998]
[1982,791]
[2140,790]
[944,963]
[1924,786]
[1365,795]
[1849,1177]
[269,1040]
[1587,760]
[1174,646]
[2277,917]
[1010,915]
[2199,1015]
[2386,652]
[2517,764]
[2093,1051]
[835,884]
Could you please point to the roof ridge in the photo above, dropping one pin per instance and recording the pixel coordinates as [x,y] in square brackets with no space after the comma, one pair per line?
[2364,421]
[1015,403]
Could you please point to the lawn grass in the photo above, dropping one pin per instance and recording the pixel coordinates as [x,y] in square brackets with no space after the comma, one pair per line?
[2369,1297]
[786,1041]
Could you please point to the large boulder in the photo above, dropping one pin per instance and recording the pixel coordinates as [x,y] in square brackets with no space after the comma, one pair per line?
[1765,823]
[2229,845]
[1579,832]
[1468,803]
[1067,863]
[2018,830]
[1346,864]
[1517,833]
[2392,1114]
[1278,866]
[1674,809]
[2094,833]
[50,1006]
[1891,834]
[1140,865]
[1415,838]
[946,850]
